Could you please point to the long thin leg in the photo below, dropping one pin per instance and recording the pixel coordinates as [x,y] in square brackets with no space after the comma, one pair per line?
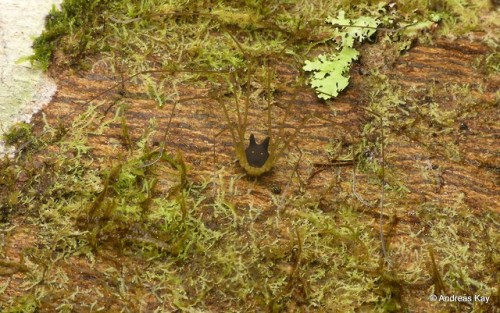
[382,178]
[214,186]
[166,131]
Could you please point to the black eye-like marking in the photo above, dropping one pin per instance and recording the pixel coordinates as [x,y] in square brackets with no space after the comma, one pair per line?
[257,154]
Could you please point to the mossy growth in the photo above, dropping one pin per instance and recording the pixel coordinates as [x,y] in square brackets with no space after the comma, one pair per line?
[25,304]
[142,229]
[18,133]
[70,29]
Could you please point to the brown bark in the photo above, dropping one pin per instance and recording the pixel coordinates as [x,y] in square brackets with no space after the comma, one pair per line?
[409,152]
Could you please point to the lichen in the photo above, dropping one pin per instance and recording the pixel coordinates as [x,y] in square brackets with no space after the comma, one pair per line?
[141,229]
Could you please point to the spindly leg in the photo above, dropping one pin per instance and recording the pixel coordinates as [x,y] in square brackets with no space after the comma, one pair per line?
[382,179]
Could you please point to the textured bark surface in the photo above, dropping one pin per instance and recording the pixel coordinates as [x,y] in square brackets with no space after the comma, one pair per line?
[476,173]
[409,153]
[438,165]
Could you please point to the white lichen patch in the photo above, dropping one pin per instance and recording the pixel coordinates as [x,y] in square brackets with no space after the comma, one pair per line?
[23,90]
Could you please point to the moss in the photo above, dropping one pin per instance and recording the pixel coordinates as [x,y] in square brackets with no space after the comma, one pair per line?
[70,29]
[18,134]
[25,304]
[144,230]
